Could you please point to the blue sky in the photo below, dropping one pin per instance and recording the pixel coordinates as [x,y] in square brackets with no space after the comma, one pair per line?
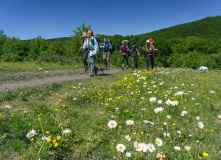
[28,19]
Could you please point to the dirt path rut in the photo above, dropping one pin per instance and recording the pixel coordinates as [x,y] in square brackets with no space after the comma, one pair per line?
[38,79]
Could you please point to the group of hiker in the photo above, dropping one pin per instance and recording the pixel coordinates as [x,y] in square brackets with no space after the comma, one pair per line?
[90,46]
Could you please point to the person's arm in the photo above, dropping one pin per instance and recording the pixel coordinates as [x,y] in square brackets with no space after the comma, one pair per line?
[120,50]
[110,47]
[153,48]
[138,52]
[145,49]
[95,47]
[85,44]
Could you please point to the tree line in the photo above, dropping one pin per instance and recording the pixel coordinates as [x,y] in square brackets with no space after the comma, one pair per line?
[188,45]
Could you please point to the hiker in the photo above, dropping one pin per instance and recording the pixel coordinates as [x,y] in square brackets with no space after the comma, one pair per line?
[91,47]
[134,52]
[84,36]
[124,49]
[149,52]
[106,53]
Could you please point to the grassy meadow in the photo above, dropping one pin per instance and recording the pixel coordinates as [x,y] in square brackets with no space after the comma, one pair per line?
[161,114]
[34,66]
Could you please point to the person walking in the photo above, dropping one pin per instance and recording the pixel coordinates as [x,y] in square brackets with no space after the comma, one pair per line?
[91,46]
[84,36]
[134,52]
[124,49]
[106,53]
[149,52]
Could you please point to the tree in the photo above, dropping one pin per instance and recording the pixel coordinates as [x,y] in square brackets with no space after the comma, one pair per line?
[79,31]
[2,35]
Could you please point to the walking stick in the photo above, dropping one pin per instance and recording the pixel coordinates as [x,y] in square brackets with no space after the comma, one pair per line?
[83,61]
[100,65]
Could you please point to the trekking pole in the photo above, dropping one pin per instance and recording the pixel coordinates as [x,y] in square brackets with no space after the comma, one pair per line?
[83,60]
[100,65]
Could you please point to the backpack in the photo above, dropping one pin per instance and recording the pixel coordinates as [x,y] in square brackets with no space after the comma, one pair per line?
[126,42]
[113,47]
[136,46]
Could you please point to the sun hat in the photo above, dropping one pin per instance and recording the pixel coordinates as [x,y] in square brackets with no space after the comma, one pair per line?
[84,34]
[147,41]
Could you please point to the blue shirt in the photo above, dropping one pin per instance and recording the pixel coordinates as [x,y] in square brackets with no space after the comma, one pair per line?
[107,45]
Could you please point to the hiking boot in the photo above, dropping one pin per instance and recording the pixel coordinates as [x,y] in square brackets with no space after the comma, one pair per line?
[91,75]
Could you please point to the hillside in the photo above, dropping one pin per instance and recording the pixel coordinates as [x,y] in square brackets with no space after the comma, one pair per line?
[208,27]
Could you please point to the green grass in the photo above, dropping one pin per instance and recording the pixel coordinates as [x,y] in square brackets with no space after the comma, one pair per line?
[53,109]
[35,66]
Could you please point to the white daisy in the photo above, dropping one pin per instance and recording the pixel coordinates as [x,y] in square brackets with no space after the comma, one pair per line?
[139,147]
[159,142]
[151,147]
[135,144]
[168,116]
[128,154]
[130,122]
[159,102]
[128,137]
[153,99]
[7,106]
[142,98]
[112,124]
[219,116]
[45,138]
[159,109]
[159,155]
[179,132]
[180,93]
[211,91]
[31,133]
[177,148]
[154,86]
[197,118]
[144,147]
[201,125]
[187,148]
[184,112]
[168,102]
[174,103]
[66,131]
[120,147]
[166,134]
[145,121]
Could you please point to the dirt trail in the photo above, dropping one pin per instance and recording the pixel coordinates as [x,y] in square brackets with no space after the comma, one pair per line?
[30,79]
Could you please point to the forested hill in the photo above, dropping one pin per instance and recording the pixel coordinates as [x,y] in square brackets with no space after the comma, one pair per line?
[209,27]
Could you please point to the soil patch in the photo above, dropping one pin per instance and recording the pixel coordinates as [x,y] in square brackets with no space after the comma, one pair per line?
[30,79]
